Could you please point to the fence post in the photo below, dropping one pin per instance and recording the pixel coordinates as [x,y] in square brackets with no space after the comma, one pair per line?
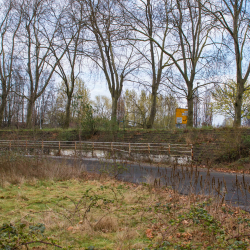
[42,147]
[112,147]
[81,148]
[93,147]
[169,148]
[75,148]
[129,149]
[148,148]
[192,152]
[26,146]
[59,146]
[10,145]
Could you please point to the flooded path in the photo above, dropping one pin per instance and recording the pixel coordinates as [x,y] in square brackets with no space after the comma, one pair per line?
[232,188]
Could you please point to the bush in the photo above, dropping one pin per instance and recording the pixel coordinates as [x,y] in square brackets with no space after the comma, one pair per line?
[15,236]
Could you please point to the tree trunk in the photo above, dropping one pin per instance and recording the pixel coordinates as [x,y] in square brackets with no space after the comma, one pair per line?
[238,104]
[67,118]
[2,108]
[151,119]
[9,115]
[114,113]
[29,113]
[190,101]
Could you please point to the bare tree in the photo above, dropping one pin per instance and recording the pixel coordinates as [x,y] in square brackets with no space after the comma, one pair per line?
[233,17]
[39,32]
[110,49]
[185,46]
[9,26]
[14,108]
[71,25]
[191,30]
[147,15]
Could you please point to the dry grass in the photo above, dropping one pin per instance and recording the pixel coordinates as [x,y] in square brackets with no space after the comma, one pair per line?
[106,224]
[16,169]
[81,210]
[136,218]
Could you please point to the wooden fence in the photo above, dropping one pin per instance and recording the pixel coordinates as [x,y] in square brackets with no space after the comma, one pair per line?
[174,150]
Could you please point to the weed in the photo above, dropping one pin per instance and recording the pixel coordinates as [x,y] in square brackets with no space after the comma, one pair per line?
[113,168]
[85,211]
[14,236]
[16,169]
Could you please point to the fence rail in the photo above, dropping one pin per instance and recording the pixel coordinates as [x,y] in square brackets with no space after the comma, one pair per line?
[124,147]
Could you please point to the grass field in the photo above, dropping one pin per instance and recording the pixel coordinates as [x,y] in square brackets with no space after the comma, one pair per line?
[44,205]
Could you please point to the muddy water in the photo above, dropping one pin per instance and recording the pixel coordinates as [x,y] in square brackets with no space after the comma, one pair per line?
[227,187]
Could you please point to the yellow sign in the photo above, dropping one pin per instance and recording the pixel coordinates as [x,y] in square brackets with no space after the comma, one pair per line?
[181,116]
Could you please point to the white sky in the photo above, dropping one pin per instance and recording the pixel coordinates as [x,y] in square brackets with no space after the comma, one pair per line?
[99,87]
[218,120]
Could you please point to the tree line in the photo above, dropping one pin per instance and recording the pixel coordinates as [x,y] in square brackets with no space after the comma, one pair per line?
[133,110]
[170,48]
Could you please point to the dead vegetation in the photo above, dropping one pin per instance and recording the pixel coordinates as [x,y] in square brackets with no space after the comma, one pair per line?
[16,169]
[85,211]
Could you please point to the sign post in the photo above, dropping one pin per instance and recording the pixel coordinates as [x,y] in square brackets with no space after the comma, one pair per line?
[181,116]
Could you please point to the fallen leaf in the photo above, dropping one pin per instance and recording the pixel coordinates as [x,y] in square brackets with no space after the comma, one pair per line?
[70,228]
[149,233]
[188,236]
[185,222]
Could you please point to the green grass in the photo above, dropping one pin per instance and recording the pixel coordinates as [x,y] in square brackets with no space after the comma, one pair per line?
[45,202]
[108,214]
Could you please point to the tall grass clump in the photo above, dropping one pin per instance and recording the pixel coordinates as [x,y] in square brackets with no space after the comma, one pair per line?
[16,169]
